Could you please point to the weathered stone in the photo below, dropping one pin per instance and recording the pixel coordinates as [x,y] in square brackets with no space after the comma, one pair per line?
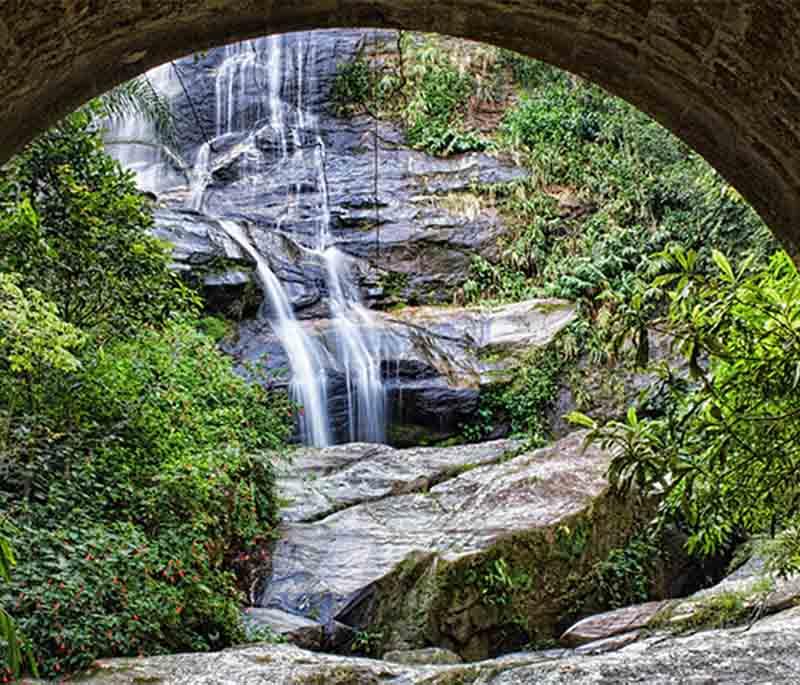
[609,644]
[611,623]
[436,360]
[319,482]
[462,565]
[768,653]
[744,593]
[605,392]
[747,591]
[431,656]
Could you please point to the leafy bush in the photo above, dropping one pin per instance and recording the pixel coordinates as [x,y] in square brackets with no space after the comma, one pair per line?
[423,89]
[132,456]
[353,87]
[734,428]
[636,189]
[132,549]
[523,403]
[432,117]
[76,228]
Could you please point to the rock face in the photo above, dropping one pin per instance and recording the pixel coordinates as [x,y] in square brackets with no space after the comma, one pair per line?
[747,592]
[436,360]
[413,230]
[767,653]
[258,143]
[479,563]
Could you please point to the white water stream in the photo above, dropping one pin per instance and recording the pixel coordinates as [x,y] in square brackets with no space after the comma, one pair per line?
[264,88]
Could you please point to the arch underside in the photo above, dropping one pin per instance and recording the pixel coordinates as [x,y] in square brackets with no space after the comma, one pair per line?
[724,75]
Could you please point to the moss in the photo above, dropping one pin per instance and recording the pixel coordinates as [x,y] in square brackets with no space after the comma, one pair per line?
[518,592]
[721,610]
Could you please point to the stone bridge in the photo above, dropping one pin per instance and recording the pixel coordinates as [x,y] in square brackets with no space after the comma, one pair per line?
[724,75]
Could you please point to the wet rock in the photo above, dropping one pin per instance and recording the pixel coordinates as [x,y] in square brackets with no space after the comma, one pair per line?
[418,235]
[605,392]
[435,361]
[462,565]
[319,482]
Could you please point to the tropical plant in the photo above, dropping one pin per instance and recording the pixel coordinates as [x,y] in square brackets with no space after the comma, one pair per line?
[15,653]
[731,426]
[167,507]
[76,228]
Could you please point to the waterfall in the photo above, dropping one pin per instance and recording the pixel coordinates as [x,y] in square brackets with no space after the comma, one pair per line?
[308,384]
[265,124]
[366,394]
[201,177]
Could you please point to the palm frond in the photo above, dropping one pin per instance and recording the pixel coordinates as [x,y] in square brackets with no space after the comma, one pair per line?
[137,97]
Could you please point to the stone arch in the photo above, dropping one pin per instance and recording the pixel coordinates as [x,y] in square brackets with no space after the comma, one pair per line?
[724,75]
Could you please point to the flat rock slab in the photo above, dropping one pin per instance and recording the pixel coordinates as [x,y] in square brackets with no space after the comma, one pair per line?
[320,568]
[319,482]
[612,623]
[768,653]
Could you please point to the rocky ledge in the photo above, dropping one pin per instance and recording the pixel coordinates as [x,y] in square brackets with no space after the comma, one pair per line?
[436,361]
[767,653]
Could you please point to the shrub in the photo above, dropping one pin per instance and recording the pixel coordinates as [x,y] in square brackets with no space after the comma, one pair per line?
[132,547]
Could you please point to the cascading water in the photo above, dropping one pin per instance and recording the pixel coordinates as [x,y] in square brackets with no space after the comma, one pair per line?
[265,119]
[366,396]
[308,383]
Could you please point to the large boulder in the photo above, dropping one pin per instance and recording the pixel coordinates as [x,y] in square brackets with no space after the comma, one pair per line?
[480,563]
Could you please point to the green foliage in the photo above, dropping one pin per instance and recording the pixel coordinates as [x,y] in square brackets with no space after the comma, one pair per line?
[529,73]
[732,427]
[522,403]
[498,583]
[133,550]
[367,642]
[353,87]
[435,111]
[133,458]
[136,97]
[15,651]
[422,87]
[214,327]
[33,339]
[77,229]
[609,188]
[623,577]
